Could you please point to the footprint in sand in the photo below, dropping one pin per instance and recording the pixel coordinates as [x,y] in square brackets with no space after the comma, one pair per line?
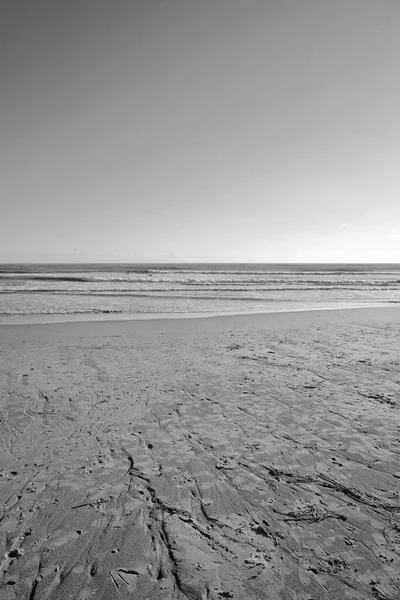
[63,537]
[124,577]
[226,463]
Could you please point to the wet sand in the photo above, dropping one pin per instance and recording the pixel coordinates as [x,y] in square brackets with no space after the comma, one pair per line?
[237,457]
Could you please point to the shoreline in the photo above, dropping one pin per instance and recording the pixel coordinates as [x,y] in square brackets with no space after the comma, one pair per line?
[59,318]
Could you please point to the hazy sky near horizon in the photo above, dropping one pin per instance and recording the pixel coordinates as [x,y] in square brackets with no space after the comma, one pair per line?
[200,130]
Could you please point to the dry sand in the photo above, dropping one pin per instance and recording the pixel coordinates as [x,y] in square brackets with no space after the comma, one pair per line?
[238,457]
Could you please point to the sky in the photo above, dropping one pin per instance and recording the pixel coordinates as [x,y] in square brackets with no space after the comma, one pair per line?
[199,131]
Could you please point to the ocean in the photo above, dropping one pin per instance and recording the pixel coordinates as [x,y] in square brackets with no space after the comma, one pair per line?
[85,290]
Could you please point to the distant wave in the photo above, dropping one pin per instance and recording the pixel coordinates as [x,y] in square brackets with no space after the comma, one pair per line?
[199,287]
[26,277]
[210,293]
[273,278]
[107,273]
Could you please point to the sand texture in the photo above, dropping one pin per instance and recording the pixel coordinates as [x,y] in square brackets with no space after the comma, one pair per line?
[218,458]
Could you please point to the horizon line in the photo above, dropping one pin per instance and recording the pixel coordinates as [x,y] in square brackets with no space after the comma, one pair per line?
[145,263]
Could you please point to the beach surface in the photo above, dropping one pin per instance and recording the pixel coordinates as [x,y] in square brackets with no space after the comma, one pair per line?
[247,457]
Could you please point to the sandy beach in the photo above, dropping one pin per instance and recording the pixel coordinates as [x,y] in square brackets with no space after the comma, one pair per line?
[247,457]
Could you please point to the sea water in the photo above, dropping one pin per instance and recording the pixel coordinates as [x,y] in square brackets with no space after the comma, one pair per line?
[181,289]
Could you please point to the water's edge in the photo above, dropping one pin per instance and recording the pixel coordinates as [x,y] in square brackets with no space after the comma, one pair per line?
[43,319]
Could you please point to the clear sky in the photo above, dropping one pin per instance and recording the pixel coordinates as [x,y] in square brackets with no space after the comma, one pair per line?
[200,130]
